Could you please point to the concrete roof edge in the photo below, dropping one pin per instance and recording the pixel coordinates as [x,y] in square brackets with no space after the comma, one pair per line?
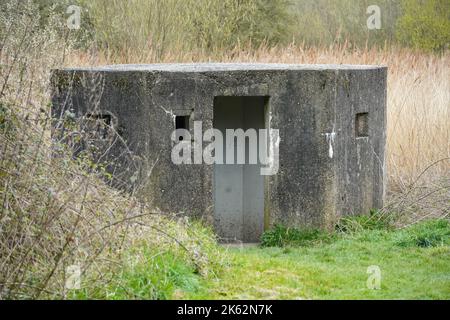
[221,67]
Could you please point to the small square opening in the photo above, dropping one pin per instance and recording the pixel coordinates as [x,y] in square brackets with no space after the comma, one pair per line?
[181,123]
[362,124]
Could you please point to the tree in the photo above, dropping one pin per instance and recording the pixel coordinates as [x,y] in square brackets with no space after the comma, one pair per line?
[425,24]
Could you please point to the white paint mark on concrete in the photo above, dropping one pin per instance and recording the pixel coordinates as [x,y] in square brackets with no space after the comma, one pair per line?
[330,140]
[273,157]
[169,112]
[274,145]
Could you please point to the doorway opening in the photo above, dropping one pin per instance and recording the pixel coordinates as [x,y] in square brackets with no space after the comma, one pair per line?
[239,191]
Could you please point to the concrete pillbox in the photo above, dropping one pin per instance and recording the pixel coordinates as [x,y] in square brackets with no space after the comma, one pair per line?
[331,121]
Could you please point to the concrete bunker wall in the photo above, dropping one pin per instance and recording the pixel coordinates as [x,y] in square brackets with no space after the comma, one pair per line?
[326,170]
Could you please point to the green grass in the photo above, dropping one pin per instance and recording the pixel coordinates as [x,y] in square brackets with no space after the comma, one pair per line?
[147,274]
[159,269]
[414,264]
[338,269]
[157,278]
[281,236]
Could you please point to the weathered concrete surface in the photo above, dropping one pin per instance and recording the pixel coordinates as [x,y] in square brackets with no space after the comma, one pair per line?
[326,171]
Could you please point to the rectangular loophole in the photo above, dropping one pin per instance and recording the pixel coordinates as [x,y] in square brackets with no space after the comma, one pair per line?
[362,124]
[181,124]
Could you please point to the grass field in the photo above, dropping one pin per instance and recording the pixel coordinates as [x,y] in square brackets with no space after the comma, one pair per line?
[337,271]
[334,271]
[414,263]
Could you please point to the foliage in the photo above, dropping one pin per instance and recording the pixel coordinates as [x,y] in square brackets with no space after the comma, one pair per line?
[156,278]
[166,26]
[281,236]
[374,220]
[161,27]
[226,24]
[156,269]
[57,212]
[322,22]
[8,121]
[427,234]
[425,24]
